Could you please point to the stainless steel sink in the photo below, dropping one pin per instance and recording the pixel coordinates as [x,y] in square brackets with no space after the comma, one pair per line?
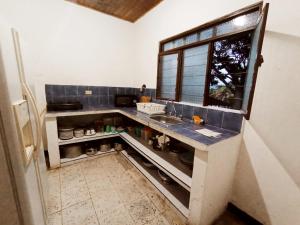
[168,120]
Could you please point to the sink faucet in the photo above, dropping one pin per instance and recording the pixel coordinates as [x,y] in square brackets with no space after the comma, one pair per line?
[173,108]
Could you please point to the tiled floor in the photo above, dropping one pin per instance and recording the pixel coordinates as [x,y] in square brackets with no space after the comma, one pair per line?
[106,191]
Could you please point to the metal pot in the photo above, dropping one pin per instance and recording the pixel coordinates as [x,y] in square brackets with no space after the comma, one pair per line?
[72,151]
[105,147]
[91,151]
[65,133]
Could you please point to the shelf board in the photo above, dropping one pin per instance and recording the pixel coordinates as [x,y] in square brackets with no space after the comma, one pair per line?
[84,157]
[172,168]
[176,194]
[97,136]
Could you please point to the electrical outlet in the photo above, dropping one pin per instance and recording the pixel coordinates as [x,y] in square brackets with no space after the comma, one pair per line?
[88,92]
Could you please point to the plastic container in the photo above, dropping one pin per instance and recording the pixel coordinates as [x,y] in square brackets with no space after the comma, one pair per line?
[151,108]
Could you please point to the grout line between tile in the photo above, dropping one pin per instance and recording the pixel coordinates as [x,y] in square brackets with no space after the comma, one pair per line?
[89,193]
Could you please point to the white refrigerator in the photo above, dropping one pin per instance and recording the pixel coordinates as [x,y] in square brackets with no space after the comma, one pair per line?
[23,187]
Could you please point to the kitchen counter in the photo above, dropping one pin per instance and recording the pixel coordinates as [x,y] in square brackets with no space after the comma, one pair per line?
[185,132]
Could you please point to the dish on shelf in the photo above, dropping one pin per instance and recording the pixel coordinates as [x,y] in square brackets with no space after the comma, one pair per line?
[164,177]
[90,132]
[91,151]
[187,158]
[79,132]
[65,133]
[72,151]
[148,164]
[105,147]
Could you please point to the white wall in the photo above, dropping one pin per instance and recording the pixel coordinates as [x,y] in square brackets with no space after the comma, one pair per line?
[64,43]
[267,183]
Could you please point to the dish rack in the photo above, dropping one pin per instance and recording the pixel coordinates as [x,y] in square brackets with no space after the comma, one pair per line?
[151,108]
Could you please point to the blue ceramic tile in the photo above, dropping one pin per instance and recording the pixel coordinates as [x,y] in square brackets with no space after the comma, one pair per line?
[130,91]
[73,98]
[232,121]
[112,91]
[214,117]
[103,90]
[58,90]
[93,101]
[201,111]
[121,91]
[59,99]
[111,100]
[49,90]
[137,91]
[188,111]
[71,90]
[103,99]
[84,101]
[49,98]
[81,90]
[178,108]
[94,89]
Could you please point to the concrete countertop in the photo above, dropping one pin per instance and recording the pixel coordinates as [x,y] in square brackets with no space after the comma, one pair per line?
[185,132]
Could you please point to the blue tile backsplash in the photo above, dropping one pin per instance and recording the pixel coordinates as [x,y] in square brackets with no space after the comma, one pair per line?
[104,96]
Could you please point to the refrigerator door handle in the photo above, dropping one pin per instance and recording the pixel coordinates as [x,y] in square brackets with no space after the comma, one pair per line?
[32,102]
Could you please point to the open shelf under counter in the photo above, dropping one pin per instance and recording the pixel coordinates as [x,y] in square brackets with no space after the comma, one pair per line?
[173,168]
[176,194]
[67,161]
[96,136]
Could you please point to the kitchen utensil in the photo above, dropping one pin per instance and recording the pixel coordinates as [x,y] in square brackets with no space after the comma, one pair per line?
[145,99]
[79,132]
[91,151]
[118,147]
[72,151]
[65,133]
[108,128]
[187,158]
[164,177]
[105,147]
[90,132]
[138,131]
[147,133]
[148,164]
[113,129]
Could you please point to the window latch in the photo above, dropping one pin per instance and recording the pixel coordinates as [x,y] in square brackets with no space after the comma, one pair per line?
[260,60]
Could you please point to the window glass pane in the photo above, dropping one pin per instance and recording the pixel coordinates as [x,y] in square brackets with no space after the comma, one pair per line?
[168,46]
[208,33]
[229,69]
[191,38]
[168,76]
[194,72]
[238,23]
[178,43]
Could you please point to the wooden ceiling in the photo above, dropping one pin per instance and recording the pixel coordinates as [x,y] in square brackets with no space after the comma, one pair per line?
[129,10]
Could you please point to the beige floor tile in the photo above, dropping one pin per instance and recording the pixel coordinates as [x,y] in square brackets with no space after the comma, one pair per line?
[142,211]
[82,213]
[74,194]
[55,219]
[173,217]
[105,203]
[117,216]
[102,186]
[53,202]
[53,191]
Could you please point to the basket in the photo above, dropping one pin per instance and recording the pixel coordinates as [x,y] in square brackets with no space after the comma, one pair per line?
[151,108]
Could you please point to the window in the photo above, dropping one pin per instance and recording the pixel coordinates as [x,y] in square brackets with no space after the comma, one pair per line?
[215,63]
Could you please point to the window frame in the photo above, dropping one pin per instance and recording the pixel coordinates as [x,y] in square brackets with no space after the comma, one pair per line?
[210,41]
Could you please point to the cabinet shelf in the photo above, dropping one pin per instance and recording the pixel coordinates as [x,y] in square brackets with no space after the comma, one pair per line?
[176,194]
[170,168]
[66,161]
[97,136]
